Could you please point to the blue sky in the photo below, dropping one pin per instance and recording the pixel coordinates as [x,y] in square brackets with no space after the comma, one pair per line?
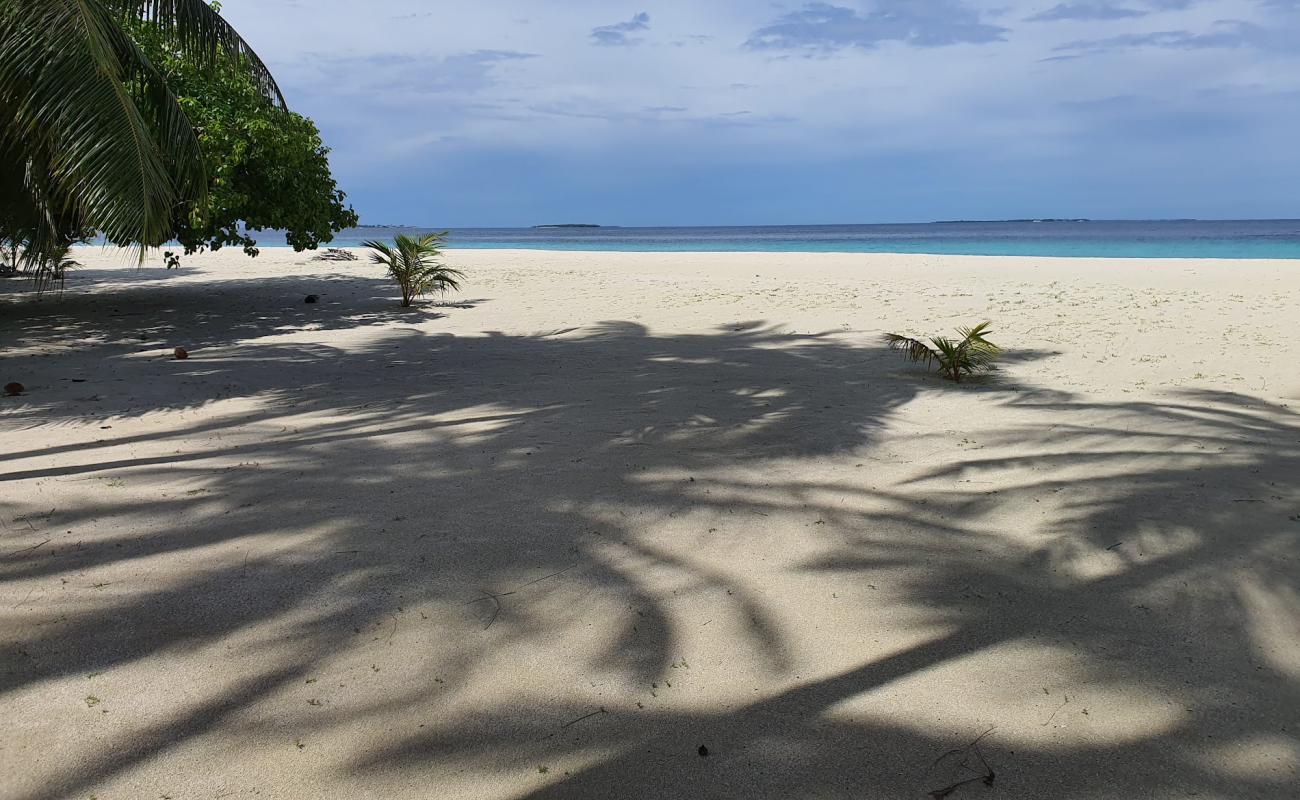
[520,112]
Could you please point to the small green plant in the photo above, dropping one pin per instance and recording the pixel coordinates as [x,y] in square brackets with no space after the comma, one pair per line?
[413,265]
[956,359]
[9,255]
[52,270]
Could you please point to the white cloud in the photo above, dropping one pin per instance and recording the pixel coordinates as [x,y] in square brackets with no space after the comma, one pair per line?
[710,84]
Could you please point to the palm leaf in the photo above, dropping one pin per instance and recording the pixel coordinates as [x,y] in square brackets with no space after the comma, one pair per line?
[383,253]
[978,353]
[976,334]
[202,34]
[110,135]
[103,142]
[914,349]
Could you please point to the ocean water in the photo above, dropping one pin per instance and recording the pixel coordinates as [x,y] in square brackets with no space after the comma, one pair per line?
[1114,239]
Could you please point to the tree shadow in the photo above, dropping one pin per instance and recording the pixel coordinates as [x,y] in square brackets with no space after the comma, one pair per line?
[1190,601]
[137,329]
[581,501]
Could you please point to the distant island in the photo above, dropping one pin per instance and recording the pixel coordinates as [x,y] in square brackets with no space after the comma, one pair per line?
[969,221]
[569,225]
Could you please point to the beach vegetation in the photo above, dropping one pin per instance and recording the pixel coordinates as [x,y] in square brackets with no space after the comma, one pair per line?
[413,265]
[266,166]
[955,359]
[50,271]
[91,134]
[10,253]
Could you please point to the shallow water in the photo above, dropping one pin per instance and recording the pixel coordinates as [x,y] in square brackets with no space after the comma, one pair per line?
[1275,239]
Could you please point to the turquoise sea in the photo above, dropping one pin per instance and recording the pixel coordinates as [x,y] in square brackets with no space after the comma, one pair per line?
[1116,239]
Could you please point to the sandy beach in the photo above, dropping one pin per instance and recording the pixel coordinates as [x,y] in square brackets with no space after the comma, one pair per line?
[650,525]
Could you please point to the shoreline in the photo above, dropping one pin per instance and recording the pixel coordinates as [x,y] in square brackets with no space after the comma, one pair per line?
[284,253]
[454,248]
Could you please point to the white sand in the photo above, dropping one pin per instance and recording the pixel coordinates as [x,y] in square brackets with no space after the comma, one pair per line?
[711,505]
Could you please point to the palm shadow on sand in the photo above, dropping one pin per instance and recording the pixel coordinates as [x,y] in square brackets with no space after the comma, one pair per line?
[572,440]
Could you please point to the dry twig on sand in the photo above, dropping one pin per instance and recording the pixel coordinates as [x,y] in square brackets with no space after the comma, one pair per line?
[600,710]
[27,549]
[985,774]
[496,598]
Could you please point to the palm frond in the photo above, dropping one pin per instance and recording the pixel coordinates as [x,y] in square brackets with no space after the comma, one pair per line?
[978,353]
[383,254]
[976,334]
[945,347]
[433,241]
[447,277]
[101,139]
[105,142]
[914,349]
[202,34]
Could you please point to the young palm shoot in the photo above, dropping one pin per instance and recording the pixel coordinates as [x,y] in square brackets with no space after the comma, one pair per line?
[52,269]
[412,263]
[956,359]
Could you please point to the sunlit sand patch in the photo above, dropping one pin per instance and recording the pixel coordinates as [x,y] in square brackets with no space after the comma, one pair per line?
[1273,621]
[683,360]
[1273,758]
[1148,541]
[1031,694]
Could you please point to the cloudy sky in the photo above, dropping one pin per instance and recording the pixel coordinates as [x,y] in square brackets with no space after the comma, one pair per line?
[517,112]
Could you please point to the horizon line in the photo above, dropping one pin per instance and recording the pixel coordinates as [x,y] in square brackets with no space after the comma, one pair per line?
[834,224]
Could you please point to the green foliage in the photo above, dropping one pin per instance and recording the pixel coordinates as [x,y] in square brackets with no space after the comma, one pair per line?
[970,355]
[10,251]
[266,167]
[91,136]
[51,269]
[413,266]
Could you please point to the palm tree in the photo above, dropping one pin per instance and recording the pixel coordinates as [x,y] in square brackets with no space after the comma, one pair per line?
[967,356]
[411,264]
[90,136]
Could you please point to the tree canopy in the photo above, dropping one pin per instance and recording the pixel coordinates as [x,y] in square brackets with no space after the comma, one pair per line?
[149,121]
[266,166]
[91,135]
